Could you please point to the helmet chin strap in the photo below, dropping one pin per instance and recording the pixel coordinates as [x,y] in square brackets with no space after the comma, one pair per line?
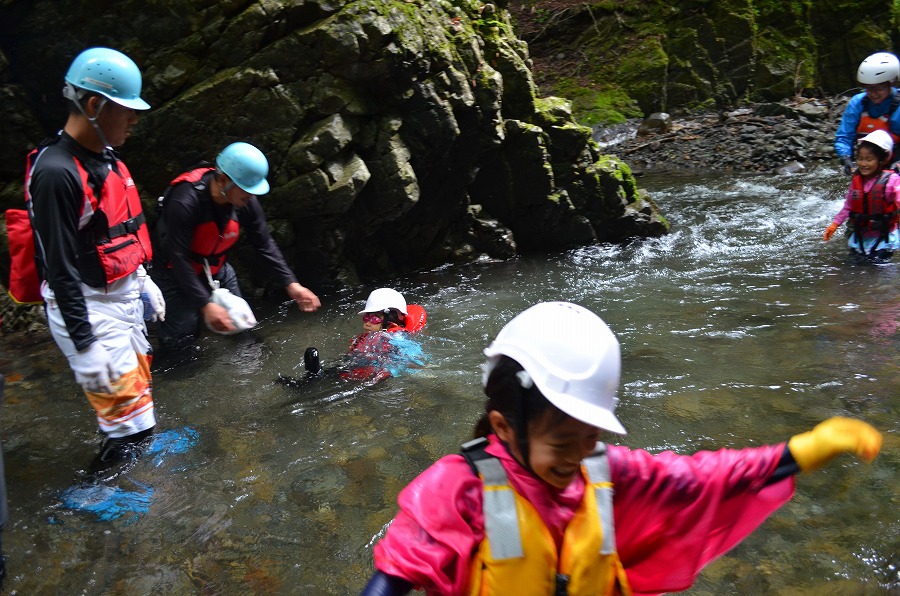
[226,187]
[74,94]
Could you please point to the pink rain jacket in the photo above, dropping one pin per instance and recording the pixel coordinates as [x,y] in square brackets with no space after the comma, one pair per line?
[673,514]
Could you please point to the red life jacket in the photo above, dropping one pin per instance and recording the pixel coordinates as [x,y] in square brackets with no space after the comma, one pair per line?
[209,243]
[869,210]
[120,246]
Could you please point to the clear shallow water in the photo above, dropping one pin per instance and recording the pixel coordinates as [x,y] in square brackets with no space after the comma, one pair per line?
[740,328]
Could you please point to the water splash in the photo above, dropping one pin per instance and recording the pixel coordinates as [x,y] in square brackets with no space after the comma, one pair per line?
[172,442]
[108,502]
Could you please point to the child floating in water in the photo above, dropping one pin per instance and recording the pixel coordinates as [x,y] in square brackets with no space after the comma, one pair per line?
[380,351]
[537,505]
[376,350]
[872,202]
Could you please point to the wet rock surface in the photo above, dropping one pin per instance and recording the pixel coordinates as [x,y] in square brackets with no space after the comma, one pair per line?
[777,137]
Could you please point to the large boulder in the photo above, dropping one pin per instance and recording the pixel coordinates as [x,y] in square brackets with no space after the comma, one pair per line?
[400,133]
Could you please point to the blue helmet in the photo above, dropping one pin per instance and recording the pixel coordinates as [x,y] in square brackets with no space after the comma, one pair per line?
[109,73]
[246,166]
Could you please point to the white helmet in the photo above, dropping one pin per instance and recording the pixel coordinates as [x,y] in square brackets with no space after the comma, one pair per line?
[382,299]
[879,138]
[882,67]
[570,354]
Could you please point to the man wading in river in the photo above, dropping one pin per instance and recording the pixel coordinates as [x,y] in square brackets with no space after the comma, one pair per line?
[92,242]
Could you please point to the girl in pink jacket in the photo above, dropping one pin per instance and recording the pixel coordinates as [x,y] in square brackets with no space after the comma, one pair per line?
[537,505]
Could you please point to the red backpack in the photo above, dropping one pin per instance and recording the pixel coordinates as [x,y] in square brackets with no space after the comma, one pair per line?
[24,282]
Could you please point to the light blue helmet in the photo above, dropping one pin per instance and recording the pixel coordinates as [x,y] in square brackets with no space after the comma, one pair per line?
[109,73]
[246,166]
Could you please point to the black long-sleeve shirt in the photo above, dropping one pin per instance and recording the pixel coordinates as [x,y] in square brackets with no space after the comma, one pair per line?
[185,208]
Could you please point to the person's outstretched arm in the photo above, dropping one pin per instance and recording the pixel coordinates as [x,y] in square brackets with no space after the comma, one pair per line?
[815,448]
[383,584]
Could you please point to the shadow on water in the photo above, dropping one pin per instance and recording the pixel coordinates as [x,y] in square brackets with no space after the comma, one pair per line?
[740,328]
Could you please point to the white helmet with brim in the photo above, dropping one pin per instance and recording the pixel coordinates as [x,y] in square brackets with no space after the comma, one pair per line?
[383,299]
[571,355]
[879,138]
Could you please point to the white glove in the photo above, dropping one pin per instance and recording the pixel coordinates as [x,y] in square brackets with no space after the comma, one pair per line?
[151,296]
[93,369]
[238,310]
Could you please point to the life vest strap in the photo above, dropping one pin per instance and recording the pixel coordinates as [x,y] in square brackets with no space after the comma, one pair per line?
[129,226]
[597,466]
[501,520]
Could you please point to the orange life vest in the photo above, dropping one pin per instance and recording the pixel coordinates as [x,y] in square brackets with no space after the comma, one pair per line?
[869,123]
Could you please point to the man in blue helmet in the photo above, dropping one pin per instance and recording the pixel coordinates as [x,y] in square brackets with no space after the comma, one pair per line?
[92,242]
[201,216]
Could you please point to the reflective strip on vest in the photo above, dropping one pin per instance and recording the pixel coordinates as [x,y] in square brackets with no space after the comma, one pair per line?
[598,471]
[501,520]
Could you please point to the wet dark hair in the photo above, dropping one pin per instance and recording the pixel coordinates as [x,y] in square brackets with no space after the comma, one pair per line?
[392,315]
[519,405]
[879,152]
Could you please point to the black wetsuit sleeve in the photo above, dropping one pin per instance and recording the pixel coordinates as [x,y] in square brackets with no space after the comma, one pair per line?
[182,213]
[57,198]
[787,466]
[383,584]
[253,220]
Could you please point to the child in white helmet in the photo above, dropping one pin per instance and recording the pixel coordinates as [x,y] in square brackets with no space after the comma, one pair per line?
[537,505]
[373,353]
[385,310]
[872,202]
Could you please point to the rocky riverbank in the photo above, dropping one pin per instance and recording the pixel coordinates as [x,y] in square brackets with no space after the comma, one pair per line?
[767,137]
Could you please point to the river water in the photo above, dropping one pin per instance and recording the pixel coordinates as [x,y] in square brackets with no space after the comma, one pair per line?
[740,328]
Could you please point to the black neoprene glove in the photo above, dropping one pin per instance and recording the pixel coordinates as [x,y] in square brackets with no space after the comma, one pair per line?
[848,164]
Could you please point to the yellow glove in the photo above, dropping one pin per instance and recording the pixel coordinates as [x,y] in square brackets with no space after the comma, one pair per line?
[829,231]
[815,448]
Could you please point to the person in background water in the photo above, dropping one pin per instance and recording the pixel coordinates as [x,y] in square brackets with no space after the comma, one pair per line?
[202,214]
[537,505]
[92,242]
[872,202]
[873,109]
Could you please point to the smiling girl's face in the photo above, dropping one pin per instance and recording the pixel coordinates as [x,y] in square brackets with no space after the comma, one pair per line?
[867,161]
[556,444]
